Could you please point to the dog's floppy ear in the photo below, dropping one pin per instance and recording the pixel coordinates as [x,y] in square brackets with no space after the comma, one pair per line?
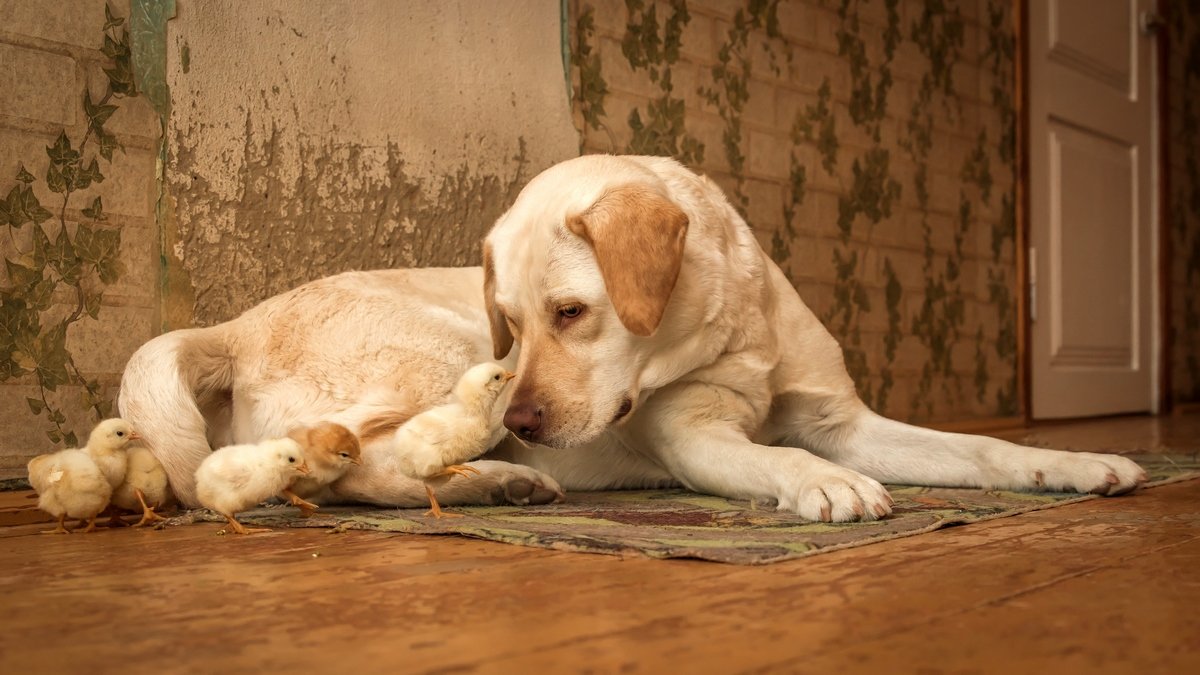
[502,338]
[638,236]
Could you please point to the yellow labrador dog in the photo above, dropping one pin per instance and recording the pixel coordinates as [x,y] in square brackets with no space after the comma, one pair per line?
[655,343]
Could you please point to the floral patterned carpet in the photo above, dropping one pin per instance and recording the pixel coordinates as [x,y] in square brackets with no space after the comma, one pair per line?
[682,524]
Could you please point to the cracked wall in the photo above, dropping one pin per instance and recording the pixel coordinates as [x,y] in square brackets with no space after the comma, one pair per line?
[340,136]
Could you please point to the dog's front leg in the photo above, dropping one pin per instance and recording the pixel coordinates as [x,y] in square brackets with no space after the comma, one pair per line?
[693,432]
[895,452]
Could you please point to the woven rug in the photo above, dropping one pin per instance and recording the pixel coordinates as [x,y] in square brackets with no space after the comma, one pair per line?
[682,524]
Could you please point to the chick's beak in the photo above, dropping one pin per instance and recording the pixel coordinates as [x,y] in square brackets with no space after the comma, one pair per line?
[356,460]
[135,436]
[508,376]
[303,468]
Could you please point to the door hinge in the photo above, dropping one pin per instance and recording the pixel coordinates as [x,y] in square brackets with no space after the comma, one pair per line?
[1032,284]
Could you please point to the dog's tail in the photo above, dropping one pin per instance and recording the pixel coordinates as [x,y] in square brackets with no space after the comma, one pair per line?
[165,386]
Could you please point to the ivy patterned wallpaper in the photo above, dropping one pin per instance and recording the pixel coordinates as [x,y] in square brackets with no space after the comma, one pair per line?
[870,144]
[78,278]
[1183,213]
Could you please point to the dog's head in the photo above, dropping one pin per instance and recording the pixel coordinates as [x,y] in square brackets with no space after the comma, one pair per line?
[581,271]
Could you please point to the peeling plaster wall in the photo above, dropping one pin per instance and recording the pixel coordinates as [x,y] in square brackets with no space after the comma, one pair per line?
[307,139]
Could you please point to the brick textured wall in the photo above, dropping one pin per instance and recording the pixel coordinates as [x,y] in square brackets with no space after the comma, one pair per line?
[50,53]
[870,145]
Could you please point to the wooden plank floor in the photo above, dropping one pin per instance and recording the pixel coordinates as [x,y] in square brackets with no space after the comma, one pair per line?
[1108,585]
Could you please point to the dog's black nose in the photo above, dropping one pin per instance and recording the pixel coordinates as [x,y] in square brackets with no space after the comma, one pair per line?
[524,420]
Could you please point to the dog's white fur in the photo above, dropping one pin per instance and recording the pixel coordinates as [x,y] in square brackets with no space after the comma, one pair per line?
[737,389]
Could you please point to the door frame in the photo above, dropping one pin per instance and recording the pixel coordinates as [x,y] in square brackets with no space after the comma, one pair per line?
[1162,292]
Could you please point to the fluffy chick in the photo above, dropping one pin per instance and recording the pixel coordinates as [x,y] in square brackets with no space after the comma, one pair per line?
[329,451]
[237,477]
[434,444]
[145,487]
[69,484]
[107,447]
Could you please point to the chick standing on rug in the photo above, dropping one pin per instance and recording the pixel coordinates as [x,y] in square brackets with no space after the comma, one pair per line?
[237,477]
[329,451]
[78,483]
[145,487]
[434,444]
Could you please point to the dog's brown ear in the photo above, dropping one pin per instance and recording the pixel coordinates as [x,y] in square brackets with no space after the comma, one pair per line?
[638,236]
[502,338]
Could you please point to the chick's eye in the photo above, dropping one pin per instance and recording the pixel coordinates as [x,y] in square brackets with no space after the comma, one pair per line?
[120,433]
[345,456]
[496,377]
[291,460]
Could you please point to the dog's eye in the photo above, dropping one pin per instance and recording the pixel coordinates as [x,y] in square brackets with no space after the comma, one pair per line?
[568,313]
[345,456]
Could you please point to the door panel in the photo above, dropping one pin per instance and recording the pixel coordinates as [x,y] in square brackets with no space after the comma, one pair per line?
[1096,263]
[1092,164]
[1092,38]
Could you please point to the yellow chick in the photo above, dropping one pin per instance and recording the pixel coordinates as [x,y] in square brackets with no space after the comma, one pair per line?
[329,451]
[237,477]
[106,446]
[145,487]
[434,444]
[69,484]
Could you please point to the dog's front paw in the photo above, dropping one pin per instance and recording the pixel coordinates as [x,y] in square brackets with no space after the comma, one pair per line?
[835,494]
[521,485]
[1089,472]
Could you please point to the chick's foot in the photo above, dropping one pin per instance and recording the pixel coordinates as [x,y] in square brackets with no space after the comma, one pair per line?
[60,529]
[457,470]
[435,509]
[238,528]
[148,514]
[307,508]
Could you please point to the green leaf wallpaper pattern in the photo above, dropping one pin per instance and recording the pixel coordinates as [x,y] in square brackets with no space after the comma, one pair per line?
[62,255]
[886,189]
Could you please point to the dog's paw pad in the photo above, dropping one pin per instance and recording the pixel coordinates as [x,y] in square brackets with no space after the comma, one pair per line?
[523,490]
[1093,473]
[518,490]
[838,495]
[544,495]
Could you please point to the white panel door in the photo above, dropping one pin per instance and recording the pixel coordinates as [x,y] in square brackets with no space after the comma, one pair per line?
[1092,178]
